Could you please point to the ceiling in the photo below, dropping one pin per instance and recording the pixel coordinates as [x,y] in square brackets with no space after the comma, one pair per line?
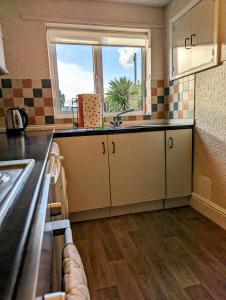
[159,3]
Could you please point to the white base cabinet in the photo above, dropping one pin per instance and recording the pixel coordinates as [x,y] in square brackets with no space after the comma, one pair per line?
[137,167]
[126,169]
[86,167]
[178,163]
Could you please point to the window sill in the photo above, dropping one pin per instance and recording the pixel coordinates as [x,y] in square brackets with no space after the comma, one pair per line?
[69,115]
[63,115]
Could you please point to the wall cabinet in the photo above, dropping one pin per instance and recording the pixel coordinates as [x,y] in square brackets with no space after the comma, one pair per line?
[3,69]
[178,163]
[194,38]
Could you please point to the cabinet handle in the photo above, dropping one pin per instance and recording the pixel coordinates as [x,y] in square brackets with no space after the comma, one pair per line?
[113,147]
[185,43]
[192,36]
[170,143]
[103,145]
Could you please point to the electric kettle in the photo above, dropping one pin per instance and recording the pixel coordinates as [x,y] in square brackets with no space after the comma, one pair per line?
[16,120]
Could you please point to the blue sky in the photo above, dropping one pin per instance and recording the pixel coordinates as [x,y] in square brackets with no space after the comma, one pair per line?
[75,67]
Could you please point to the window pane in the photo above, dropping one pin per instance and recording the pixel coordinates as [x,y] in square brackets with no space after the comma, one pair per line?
[75,72]
[122,76]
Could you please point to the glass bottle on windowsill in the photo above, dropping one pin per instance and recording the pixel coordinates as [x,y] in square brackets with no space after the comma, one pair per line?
[74,105]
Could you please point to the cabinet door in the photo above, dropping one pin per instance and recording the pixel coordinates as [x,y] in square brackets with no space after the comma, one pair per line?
[178,162]
[202,34]
[2,56]
[181,52]
[137,167]
[87,172]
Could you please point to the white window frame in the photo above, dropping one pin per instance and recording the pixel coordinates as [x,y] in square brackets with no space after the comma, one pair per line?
[97,75]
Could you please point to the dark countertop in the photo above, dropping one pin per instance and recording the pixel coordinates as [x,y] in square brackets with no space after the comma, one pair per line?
[14,231]
[119,130]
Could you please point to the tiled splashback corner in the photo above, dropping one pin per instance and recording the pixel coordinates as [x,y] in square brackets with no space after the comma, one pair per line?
[168,101]
[180,98]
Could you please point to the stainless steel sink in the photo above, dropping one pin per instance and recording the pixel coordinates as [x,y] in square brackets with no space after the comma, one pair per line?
[126,127]
[13,174]
[139,126]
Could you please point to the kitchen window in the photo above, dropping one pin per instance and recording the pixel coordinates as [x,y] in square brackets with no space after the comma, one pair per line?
[112,64]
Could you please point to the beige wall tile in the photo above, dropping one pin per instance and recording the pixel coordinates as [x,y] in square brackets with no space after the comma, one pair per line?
[49,111]
[28,93]
[18,102]
[36,83]
[47,93]
[16,83]
[38,102]
[30,111]
[7,93]
[40,120]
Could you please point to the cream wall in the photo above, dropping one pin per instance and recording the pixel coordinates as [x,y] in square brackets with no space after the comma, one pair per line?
[23,24]
[210,117]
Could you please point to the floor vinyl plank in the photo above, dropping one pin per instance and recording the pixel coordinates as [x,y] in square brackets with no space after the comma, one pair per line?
[198,292]
[174,254]
[126,282]
[109,241]
[191,238]
[181,271]
[166,280]
[97,257]
[137,264]
[110,293]
[78,231]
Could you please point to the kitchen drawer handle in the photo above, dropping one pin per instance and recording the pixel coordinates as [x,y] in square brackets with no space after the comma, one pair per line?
[113,147]
[192,36]
[104,151]
[170,142]
[185,43]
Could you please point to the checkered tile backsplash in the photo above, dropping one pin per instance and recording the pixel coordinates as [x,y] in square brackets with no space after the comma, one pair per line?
[180,98]
[168,101]
[35,96]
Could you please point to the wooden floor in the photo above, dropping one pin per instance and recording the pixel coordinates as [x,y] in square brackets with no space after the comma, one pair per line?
[171,254]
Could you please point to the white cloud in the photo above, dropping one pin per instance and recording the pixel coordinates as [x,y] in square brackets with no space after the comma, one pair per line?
[74,80]
[126,56]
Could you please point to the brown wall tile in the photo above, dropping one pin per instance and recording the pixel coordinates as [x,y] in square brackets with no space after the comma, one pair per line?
[17,93]
[48,102]
[31,120]
[39,111]
[8,102]
[26,83]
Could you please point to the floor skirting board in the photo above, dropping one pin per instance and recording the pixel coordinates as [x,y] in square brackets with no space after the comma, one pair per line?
[207,208]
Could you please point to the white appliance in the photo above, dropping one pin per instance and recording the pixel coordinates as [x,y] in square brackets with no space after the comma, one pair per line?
[59,195]
[62,233]
[58,179]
